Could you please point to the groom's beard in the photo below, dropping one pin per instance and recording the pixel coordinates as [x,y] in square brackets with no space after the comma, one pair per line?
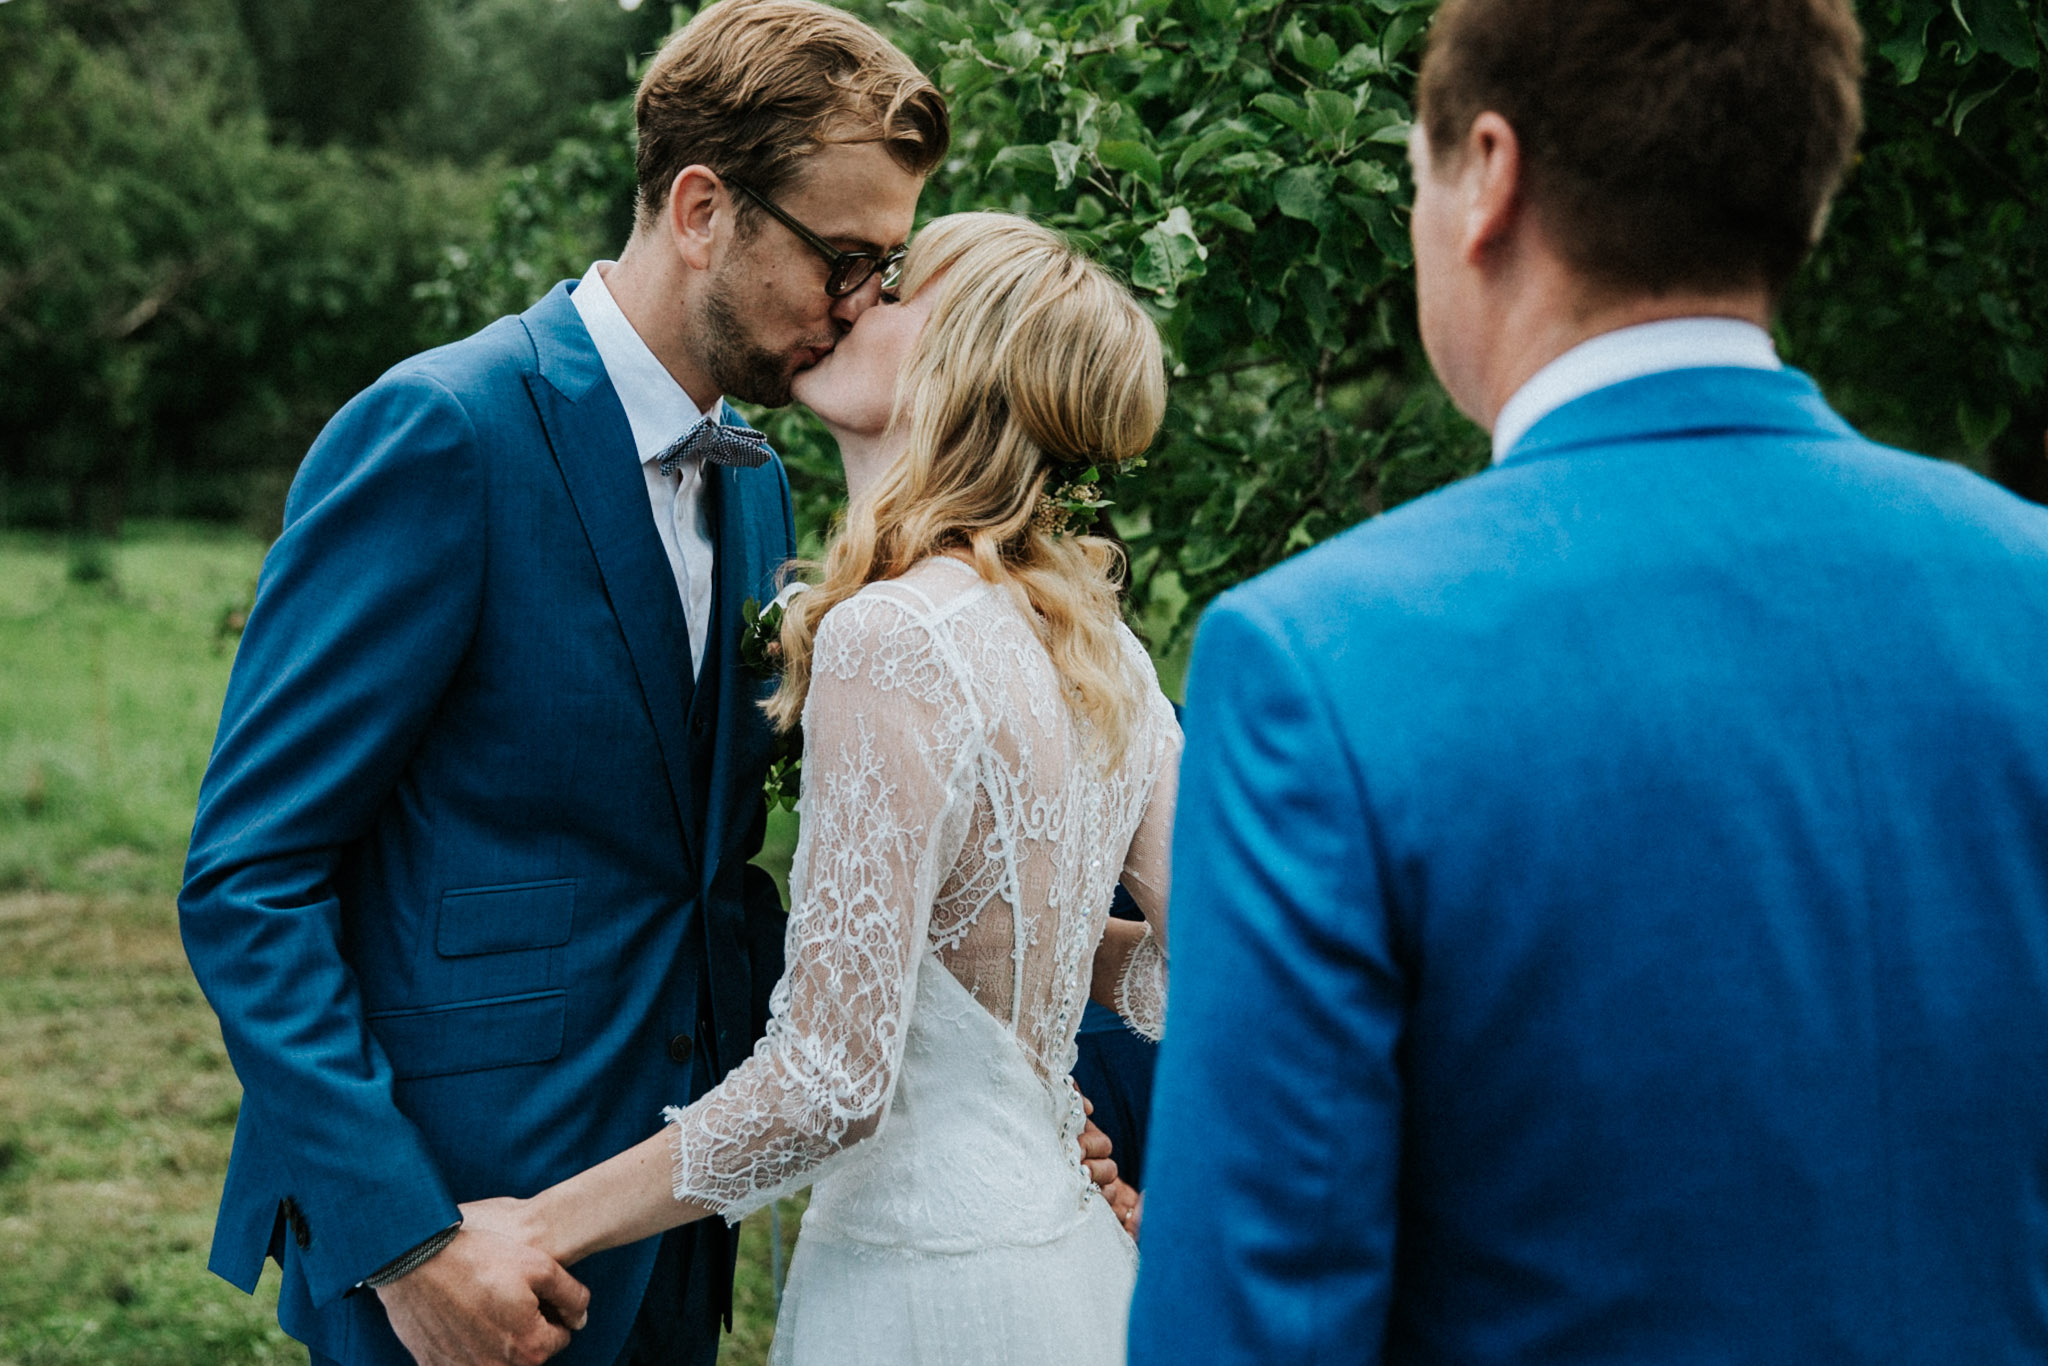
[740,366]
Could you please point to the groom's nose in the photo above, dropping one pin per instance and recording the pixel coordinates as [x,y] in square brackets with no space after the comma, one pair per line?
[846,311]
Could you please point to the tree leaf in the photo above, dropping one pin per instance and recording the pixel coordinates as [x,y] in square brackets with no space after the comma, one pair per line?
[1405,29]
[1126,154]
[1211,142]
[2001,28]
[1027,157]
[1263,312]
[1371,177]
[1361,61]
[1230,216]
[1299,193]
[1169,253]
[1066,160]
[940,19]
[1290,112]
[1316,51]
[1966,105]
[1906,49]
[1019,47]
[1333,113]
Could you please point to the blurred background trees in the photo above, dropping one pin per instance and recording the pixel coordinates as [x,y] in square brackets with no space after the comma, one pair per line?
[222,217]
[216,215]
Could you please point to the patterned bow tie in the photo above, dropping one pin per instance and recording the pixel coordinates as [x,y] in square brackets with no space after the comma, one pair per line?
[719,444]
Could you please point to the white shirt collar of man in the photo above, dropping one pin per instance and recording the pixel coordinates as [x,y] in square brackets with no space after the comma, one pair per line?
[1630,353]
[657,408]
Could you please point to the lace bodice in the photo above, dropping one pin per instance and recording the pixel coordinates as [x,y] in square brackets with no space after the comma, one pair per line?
[952,803]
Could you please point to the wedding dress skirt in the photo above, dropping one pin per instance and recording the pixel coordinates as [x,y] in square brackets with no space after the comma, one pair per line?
[965,1232]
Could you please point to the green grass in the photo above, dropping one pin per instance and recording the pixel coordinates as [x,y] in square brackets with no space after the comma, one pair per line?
[117,1103]
[109,692]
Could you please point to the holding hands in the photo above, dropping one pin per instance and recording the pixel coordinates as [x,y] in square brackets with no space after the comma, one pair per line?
[487,1299]
[498,1294]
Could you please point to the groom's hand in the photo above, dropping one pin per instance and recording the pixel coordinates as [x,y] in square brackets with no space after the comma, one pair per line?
[485,1300]
[1095,1156]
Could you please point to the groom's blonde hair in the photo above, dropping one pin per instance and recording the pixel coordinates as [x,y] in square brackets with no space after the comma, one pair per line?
[752,88]
[1034,364]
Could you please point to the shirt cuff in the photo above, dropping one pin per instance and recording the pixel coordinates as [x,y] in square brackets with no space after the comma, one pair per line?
[411,1261]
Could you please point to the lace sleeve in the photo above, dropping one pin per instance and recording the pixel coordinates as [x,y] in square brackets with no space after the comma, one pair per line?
[881,824]
[1141,987]
[1141,991]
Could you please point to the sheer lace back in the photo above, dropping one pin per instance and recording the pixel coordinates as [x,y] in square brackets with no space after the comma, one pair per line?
[1017,919]
[953,804]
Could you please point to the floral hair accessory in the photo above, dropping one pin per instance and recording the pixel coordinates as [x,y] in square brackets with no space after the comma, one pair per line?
[1070,507]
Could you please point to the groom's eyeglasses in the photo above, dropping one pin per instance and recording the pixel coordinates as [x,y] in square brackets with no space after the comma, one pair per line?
[850,269]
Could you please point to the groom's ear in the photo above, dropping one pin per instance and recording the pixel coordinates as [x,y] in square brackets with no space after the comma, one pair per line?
[1490,186]
[698,212]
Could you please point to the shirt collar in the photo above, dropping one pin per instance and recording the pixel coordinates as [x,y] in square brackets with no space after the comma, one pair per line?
[657,408]
[1630,353]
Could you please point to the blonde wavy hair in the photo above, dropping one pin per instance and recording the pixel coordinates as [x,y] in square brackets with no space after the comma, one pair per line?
[1033,358]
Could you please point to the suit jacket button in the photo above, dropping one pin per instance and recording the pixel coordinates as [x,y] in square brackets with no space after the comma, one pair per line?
[302,1232]
[679,1048]
[700,728]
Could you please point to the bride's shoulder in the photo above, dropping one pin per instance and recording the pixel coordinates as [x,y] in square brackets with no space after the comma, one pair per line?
[924,593]
[900,613]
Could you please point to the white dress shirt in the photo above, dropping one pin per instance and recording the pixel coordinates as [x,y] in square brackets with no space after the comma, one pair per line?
[658,410]
[1631,353]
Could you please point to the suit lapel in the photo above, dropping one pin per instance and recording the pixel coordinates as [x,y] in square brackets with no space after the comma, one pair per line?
[593,447]
[751,549]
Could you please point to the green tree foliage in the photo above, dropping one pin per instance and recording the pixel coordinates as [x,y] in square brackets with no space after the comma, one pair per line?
[218,216]
[468,80]
[1925,311]
[510,78]
[1243,164]
[321,81]
[1242,161]
[182,303]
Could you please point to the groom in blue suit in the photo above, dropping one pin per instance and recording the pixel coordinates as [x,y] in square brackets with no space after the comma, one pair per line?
[1628,867]
[469,883]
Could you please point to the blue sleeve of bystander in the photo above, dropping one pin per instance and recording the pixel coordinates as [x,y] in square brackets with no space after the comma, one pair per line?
[1269,1222]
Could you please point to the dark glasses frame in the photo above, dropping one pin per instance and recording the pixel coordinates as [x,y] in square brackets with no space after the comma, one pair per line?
[850,269]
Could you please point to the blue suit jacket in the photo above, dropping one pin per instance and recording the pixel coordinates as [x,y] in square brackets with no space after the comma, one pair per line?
[1611,915]
[472,849]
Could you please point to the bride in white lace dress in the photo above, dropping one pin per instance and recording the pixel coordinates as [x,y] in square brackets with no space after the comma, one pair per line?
[987,753]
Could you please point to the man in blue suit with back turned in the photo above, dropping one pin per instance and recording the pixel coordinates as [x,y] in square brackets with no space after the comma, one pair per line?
[469,884]
[1628,867]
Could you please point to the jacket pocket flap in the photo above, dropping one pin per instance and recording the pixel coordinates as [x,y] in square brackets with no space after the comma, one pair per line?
[471,1036]
[527,915]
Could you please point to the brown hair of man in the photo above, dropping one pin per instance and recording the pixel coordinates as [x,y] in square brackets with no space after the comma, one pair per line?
[1665,144]
[750,88]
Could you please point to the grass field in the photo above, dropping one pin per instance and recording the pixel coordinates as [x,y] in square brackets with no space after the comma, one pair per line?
[117,1103]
